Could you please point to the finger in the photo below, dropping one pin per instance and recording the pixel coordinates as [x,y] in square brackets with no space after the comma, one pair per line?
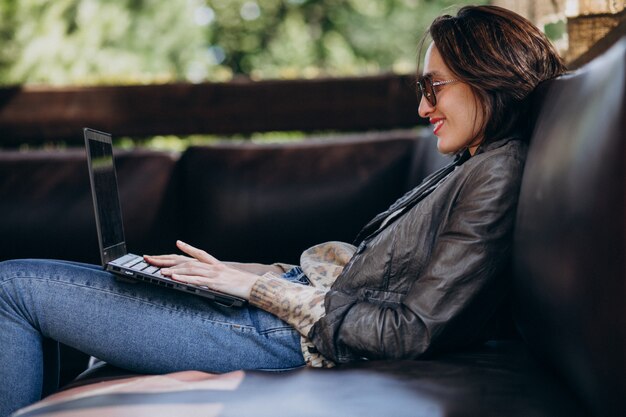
[199,254]
[191,268]
[166,260]
[191,279]
[165,255]
[159,261]
[192,274]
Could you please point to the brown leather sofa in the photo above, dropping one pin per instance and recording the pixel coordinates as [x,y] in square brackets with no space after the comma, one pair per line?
[267,202]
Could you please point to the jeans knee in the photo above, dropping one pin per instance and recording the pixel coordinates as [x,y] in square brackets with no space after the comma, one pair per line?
[16,279]
[7,274]
[6,269]
[12,269]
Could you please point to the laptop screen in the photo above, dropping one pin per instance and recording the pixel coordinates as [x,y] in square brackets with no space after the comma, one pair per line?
[104,189]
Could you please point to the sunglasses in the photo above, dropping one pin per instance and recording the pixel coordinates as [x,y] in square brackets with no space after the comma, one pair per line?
[427,88]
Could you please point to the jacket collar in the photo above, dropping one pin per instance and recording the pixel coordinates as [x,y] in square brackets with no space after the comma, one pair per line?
[426,187]
[411,198]
[495,144]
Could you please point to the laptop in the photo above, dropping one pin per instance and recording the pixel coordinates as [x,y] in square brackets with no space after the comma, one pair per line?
[108,212]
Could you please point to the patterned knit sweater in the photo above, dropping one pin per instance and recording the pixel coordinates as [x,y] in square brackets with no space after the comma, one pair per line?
[300,305]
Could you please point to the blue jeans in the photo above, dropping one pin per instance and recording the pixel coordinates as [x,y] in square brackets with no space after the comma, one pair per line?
[136,326]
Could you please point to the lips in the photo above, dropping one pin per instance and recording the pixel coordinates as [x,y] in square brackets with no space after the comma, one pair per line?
[437,122]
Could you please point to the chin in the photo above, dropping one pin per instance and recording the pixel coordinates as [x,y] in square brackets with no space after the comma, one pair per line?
[445,150]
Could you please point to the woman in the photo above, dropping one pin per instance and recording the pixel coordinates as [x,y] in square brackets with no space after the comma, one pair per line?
[424,276]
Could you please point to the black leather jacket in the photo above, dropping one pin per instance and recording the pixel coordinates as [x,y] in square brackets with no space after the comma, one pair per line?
[431,278]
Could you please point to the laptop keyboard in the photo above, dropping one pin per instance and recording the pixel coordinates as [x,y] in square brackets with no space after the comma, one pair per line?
[137,263]
[144,267]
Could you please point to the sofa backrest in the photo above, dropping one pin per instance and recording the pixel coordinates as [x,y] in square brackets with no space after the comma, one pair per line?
[246,202]
[46,210]
[267,203]
[570,241]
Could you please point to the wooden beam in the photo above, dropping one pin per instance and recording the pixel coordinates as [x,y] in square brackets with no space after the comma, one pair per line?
[601,46]
[47,114]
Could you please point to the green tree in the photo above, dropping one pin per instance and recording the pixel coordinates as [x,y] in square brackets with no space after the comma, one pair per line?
[90,41]
[147,41]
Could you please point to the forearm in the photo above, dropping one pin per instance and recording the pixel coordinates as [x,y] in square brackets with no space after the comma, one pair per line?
[299,305]
[254,268]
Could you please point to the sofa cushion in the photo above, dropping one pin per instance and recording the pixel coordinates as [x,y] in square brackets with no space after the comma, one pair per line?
[498,379]
[571,237]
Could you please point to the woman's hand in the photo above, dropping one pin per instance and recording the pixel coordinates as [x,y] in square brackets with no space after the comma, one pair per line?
[166,261]
[202,269]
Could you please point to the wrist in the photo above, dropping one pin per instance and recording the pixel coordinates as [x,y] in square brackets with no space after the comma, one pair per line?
[251,281]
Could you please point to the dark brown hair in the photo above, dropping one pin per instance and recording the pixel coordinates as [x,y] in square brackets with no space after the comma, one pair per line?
[501,56]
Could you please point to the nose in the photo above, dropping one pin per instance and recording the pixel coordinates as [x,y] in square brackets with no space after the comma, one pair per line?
[424,109]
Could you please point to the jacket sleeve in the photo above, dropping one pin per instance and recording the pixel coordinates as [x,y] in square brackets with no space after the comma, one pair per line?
[454,297]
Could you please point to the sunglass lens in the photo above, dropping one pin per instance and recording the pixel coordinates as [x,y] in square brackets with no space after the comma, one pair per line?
[427,90]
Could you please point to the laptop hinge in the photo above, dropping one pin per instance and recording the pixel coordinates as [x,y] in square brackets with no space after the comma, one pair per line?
[113,252]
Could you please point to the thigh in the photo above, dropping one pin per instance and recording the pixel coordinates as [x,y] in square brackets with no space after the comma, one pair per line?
[142,327]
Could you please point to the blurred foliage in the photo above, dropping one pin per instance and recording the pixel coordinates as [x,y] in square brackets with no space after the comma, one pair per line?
[180,143]
[150,41]
[99,42]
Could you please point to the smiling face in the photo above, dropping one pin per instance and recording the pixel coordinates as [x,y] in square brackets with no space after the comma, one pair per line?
[456,117]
